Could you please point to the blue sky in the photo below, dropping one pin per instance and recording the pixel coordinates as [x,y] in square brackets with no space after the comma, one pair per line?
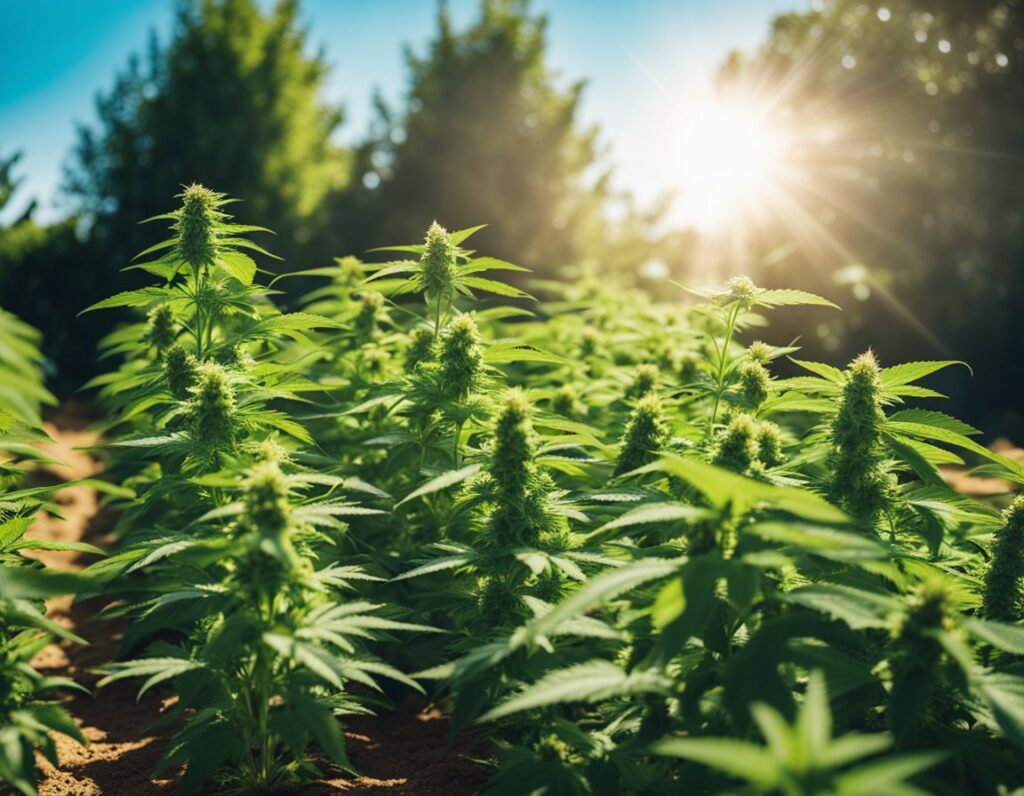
[58,53]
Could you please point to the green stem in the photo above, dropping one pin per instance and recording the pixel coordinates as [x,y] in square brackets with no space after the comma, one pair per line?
[455,445]
[730,325]
[437,319]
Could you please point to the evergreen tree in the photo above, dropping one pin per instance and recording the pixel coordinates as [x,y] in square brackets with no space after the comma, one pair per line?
[232,101]
[486,135]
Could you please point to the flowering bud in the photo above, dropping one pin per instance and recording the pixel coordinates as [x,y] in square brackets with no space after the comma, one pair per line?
[180,370]
[687,367]
[930,608]
[197,239]
[375,359]
[759,352]
[645,380]
[270,450]
[235,356]
[754,381]
[566,402]
[1002,596]
[266,498]
[644,436]
[372,310]
[420,347]
[588,341]
[737,447]
[160,329]
[438,263]
[743,290]
[461,356]
[497,602]
[769,444]
[860,483]
[212,408]
[267,515]
[514,446]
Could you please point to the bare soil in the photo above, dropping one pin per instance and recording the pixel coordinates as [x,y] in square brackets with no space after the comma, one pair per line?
[401,753]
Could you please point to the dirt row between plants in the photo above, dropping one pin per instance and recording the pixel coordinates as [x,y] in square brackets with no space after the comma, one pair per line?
[400,753]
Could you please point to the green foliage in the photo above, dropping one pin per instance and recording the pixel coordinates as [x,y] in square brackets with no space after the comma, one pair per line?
[638,566]
[29,710]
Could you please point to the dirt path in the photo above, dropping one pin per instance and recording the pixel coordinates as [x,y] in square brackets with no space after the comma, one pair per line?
[402,753]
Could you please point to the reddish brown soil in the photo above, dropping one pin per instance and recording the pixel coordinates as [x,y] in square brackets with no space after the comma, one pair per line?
[404,752]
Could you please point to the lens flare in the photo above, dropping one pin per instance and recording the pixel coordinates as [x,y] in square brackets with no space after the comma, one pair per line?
[732,158]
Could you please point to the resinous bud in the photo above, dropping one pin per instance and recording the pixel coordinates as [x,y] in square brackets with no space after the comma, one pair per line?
[212,407]
[419,348]
[461,355]
[197,239]
[645,380]
[737,447]
[160,327]
[181,371]
[644,436]
[438,261]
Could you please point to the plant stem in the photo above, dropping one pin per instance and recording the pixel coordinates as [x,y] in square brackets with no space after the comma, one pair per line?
[730,325]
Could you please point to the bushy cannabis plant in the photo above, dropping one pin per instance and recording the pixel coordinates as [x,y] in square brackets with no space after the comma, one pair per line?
[233,552]
[29,709]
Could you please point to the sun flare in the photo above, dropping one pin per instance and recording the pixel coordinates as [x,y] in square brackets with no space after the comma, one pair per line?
[731,159]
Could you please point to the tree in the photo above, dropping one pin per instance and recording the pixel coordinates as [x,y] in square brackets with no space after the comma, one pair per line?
[910,163]
[485,136]
[42,280]
[231,101]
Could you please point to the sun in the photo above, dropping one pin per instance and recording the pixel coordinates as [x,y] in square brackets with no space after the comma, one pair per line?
[731,159]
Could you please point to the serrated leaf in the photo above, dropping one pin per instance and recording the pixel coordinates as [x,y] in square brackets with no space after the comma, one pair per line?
[442,481]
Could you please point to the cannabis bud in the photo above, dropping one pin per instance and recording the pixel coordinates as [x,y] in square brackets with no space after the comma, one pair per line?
[687,366]
[644,436]
[860,483]
[235,356]
[743,290]
[754,383]
[1002,596]
[769,444]
[645,380]
[420,347]
[160,329]
[588,341]
[930,608]
[737,448]
[438,262]
[566,402]
[270,450]
[759,352]
[372,310]
[212,407]
[197,238]
[375,359]
[266,497]
[497,602]
[267,513]
[180,370]
[460,356]
[514,445]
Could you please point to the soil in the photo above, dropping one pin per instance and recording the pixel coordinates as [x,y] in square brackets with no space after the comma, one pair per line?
[399,753]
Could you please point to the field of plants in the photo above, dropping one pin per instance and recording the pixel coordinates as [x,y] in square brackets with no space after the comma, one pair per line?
[611,541]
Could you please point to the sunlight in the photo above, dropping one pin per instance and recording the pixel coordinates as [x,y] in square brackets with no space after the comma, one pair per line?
[731,159]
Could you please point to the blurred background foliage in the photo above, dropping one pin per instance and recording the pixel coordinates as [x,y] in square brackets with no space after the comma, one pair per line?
[902,200]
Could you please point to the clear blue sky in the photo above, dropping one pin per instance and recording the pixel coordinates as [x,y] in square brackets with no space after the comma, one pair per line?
[58,53]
